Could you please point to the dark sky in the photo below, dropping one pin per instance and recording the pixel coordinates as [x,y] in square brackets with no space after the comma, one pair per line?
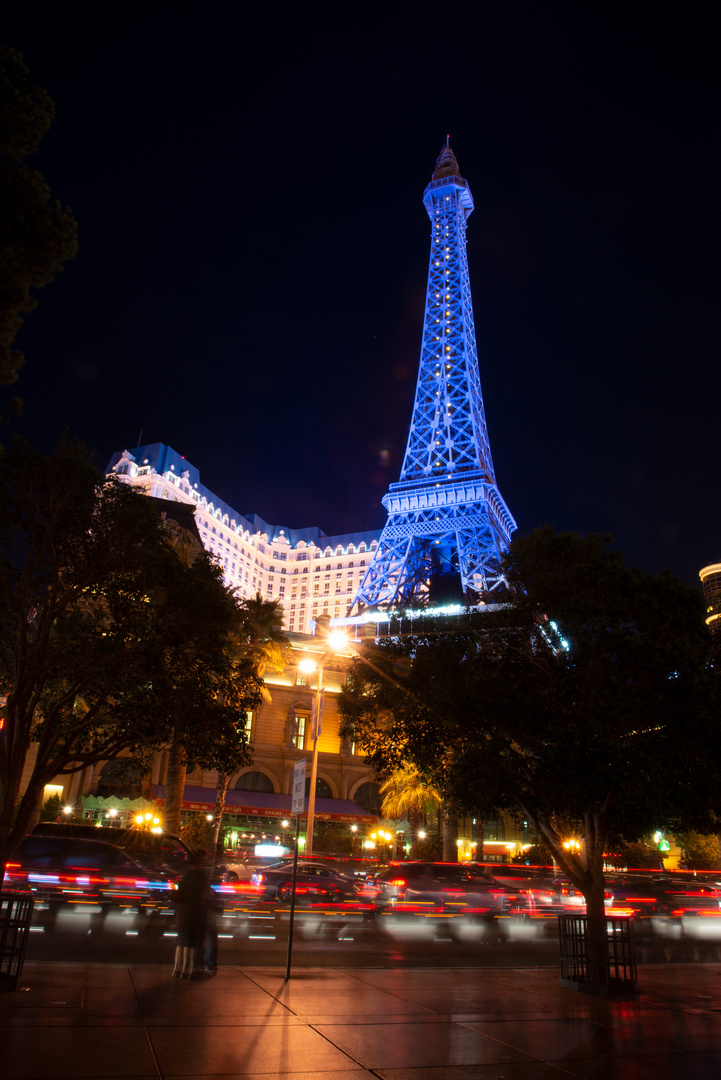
[253,251]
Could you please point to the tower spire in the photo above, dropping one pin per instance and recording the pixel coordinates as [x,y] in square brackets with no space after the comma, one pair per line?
[446,516]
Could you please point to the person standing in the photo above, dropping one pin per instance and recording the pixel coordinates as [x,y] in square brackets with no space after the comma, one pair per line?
[191,898]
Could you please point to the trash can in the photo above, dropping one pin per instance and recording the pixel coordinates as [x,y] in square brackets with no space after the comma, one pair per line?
[15,915]
[621,972]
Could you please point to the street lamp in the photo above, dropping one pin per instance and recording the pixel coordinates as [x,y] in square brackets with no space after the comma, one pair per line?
[335,641]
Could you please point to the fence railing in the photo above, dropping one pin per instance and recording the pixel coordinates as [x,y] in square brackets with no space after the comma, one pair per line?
[620,976]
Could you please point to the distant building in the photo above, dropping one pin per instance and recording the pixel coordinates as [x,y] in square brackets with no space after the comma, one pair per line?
[711,583]
[309,573]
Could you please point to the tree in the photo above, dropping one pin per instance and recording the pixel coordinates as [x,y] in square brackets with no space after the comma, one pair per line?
[586,703]
[698,852]
[106,638]
[262,644]
[37,234]
[252,645]
[406,791]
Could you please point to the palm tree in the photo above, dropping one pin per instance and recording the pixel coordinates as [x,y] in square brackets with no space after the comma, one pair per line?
[407,791]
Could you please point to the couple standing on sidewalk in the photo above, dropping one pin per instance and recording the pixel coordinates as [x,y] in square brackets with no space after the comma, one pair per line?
[196,914]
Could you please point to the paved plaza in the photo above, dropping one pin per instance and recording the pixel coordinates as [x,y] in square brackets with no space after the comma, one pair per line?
[90,1021]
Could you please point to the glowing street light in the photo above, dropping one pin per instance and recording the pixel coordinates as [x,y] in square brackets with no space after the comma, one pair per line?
[335,641]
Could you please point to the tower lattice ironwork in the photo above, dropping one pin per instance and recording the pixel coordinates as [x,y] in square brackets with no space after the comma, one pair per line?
[445,514]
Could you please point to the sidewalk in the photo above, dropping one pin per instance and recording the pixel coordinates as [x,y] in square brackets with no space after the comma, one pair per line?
[90,1021]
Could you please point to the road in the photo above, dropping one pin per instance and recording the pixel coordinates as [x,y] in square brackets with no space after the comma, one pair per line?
[344,936]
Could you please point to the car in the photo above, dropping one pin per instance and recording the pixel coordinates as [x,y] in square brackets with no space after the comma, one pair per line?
[662,895]
[443,886]
[75,869]
[160,851]
[534,886]
[314,881]
[242,869]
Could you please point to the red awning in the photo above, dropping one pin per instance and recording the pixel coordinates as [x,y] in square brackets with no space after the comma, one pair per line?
[267,804]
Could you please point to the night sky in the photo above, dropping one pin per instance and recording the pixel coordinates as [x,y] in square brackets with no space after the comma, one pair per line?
[253,251]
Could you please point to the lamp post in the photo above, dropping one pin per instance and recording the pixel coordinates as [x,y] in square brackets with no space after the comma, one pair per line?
[335,641]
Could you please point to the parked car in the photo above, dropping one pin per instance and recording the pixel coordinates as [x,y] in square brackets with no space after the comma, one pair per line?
[243,868]
[67,869]
[434,885]
[161,851]
[314,881]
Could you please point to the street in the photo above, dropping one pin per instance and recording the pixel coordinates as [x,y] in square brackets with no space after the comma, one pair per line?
[344,935]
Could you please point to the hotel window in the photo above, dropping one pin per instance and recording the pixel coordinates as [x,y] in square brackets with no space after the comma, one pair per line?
[249,726]
[316,589]
[301,678]
[302,724]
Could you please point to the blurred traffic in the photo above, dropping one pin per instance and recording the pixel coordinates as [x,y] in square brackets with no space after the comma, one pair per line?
[125,880]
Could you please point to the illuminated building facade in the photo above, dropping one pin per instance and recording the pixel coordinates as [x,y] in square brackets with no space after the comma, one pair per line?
[446,516]
[711,584]
[309,573]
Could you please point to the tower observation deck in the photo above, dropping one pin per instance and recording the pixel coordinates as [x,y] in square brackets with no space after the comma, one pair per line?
[447,521]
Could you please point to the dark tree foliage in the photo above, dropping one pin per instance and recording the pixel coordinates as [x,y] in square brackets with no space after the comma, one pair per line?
[107,639]
[37,234]
[587,705]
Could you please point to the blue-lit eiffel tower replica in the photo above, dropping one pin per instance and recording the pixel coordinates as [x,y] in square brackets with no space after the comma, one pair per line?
[446,518]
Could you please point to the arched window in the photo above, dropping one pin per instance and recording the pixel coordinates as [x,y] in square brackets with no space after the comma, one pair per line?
[368,796]
[122,778]
[322,788]
[254,781]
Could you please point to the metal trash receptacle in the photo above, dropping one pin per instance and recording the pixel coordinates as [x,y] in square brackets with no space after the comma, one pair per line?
[15,915]
[622,975]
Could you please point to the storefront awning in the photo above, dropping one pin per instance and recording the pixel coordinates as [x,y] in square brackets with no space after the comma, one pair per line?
[267,804]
